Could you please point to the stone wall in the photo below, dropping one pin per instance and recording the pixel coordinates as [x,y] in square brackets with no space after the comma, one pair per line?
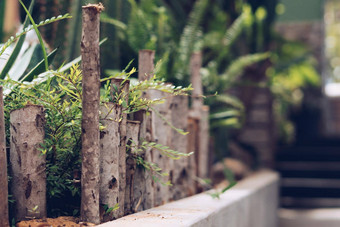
[253,202]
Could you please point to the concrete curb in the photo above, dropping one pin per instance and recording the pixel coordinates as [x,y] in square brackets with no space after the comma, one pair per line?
[253,202]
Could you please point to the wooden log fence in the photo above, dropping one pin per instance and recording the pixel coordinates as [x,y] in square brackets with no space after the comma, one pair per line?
[3,167]
[27,164]
[109,158]
[90,52]
[111,174]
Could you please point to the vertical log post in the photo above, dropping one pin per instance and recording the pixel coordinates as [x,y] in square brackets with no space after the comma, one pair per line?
[201,113]
[132,136]
[180,172]
[4,222]
[27,162]
[196,81]
[90,121]
[143,185]
[193,140]
[109,158]
[203,160]
[145,64]
[122,86]
[162,135]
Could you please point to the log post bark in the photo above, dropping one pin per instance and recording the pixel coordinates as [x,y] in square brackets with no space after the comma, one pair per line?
[193,140]
[200,112]
[143,185]
[196,81]
[162,135]
[4,221]
[145,64]
[122,86]
[27,162]
[90,121]
[132,137]
[203,158]
[109,158]
[180,171]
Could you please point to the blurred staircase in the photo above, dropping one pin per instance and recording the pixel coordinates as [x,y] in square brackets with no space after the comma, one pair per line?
[310,174]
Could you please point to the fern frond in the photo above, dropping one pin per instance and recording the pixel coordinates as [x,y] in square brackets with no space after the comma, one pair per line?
[140,30]
[234,31]
[12,39]
[189,38]
[237,67]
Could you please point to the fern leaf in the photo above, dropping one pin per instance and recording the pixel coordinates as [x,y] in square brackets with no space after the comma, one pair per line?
[12,39]
[237,67]
[189,38]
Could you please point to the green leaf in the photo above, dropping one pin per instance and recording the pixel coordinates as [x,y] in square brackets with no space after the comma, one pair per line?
[17,47]
[38,35]
[39,68]
[18,69]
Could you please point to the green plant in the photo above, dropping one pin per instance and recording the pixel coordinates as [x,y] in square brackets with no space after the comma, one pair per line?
[20,65]
[61,96]
[293,71]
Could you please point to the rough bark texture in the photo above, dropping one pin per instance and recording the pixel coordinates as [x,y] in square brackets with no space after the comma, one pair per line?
[193,139]
[109,158]
[203,151]
[145,64]
[28,165]
[3,167]
[162,135]
[132,136]
[144,190]
[201,113]
[90,121]
[143,185]
[122,89]
[180,172]
[196,81]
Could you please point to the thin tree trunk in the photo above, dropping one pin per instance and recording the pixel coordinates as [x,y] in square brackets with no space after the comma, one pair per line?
[132,132]
[90,121]
[180,171]
[143,185]
[109,158]
[27,162]
[122,86]
[3,167]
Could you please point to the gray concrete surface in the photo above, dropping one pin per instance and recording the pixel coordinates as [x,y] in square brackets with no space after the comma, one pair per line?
[252,202]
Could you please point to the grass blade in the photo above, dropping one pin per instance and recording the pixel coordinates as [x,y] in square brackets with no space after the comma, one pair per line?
[38,35]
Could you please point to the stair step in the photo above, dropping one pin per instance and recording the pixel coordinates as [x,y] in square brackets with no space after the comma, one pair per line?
[305,192]
[308,166]
[317,156]
[292,202]
[326,174]
[311,183]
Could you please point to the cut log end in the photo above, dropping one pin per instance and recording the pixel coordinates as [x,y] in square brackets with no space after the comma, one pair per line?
[97,7]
